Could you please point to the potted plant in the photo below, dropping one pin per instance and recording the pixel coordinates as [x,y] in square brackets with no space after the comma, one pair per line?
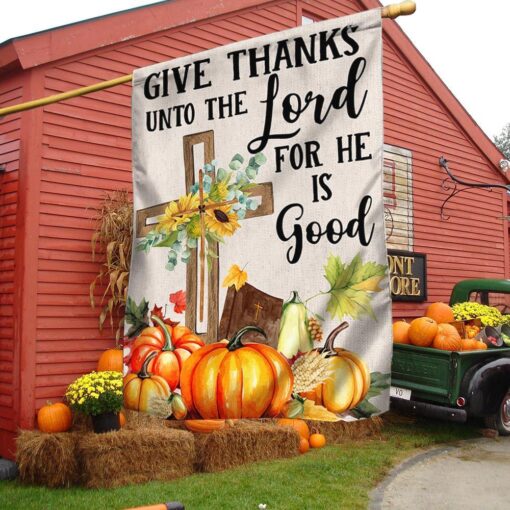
[99,395]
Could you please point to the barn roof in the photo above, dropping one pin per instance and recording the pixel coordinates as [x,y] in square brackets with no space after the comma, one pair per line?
[59,43]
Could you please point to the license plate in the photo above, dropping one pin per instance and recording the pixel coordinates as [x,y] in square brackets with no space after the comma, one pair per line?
[402,393]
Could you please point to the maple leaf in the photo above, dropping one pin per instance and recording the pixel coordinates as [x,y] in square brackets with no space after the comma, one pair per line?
[352,286]
[157,311]
[179,300]
[236,277]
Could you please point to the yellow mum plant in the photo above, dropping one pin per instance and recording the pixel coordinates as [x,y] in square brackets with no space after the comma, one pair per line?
[96,393]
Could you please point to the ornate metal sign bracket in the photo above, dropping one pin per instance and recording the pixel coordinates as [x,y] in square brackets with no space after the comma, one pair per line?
[450,184]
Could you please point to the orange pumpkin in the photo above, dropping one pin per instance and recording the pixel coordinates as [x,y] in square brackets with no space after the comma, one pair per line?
[140,389]
[204,426]
[422,331]
[440,312]
[481,346]
[299,425]
[304,445]
[172,350]
[401,332]
[122,419]
[110,360]
[447,338]
[236,380]
[54,418]
[317,440]
[468,344]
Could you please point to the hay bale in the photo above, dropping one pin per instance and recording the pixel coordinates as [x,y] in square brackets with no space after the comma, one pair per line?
[340,431]
[48,459]
[243,443]
[135,456]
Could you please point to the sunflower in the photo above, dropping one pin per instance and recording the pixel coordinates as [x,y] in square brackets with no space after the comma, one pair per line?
[193,227]
[174,216]
[219,192]
[221,220]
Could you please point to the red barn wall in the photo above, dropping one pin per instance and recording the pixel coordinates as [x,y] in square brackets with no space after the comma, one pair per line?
[11,92]
[86,151]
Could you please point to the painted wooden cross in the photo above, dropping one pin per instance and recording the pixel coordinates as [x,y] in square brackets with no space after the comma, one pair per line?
[263,191]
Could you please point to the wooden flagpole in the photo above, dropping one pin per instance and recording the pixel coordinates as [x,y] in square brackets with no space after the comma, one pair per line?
[390,11]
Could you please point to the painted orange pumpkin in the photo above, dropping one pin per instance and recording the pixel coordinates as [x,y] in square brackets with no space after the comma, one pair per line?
[172,350]
[141,388]
[401,332]
[204,426]
[317,440]
[422,331]
[440,312]
[350,378]
[447,338]
[299,425]
[122,419]
[110,359]
[236,380]
[54,418]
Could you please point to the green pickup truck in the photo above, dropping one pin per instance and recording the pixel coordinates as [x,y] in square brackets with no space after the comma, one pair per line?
[457,385]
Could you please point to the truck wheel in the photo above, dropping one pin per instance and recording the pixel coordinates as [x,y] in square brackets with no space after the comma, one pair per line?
[501,420]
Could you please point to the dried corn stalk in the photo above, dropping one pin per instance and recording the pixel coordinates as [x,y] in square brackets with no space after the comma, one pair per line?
[310,370]
[316,412]
[113,236]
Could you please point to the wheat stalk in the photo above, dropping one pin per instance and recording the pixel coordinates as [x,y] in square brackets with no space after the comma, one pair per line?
[309,371]
[160,407]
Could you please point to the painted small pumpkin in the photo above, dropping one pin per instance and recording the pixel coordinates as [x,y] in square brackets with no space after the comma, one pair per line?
[204,426]
[141,388]
[173,348]
[317,440]
[300,426]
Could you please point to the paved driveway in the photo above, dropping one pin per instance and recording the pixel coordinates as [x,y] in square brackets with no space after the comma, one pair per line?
[475,475]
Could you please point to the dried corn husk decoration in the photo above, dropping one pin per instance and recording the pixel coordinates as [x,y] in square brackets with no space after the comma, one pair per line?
[113,236]
[310,370]
[315,412]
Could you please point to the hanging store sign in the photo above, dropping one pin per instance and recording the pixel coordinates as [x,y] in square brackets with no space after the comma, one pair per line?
[408,275]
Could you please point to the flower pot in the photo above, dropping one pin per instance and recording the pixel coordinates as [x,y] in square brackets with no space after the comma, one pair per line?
[105,422]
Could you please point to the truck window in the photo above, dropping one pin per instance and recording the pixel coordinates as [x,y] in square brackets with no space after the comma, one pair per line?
[500,300]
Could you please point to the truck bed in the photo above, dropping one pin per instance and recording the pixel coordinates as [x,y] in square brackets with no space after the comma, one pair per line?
[433,375]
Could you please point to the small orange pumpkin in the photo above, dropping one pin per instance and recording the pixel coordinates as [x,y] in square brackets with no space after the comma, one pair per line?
[304,445]
[317,440]
[440,312]
[122,419]
[300,426]
[110,360]
[447,338]
[401,332]
[54,418]
[204,426]
[422,331]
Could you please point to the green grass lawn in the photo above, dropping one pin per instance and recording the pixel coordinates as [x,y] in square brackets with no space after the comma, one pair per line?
[339,476]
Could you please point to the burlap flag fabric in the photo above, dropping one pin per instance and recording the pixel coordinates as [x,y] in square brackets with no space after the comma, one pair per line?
[258,284]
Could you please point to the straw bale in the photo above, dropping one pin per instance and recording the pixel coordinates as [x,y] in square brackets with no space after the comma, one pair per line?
[243,443]
[129,456]
[340,431]
[48,459]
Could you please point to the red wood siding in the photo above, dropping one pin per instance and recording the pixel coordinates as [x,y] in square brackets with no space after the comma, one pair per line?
[11,92]
[86,150]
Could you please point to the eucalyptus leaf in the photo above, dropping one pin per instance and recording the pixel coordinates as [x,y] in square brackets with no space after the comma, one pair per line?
[235,165]
[239,158]
[251,172]
[221,174]
[260,159]
[168,240]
